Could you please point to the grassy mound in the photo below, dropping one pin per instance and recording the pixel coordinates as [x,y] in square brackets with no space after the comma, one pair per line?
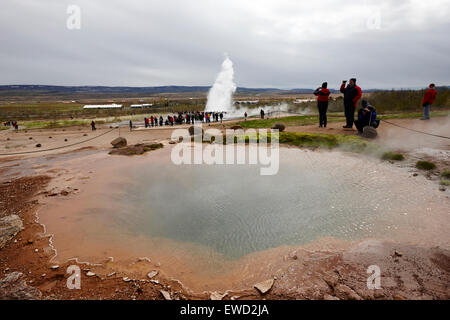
[425,165]
[291,121]
[445,174]
[392,156]
[328,141]
[136,149]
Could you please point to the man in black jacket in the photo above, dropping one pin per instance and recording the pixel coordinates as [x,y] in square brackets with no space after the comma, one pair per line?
[352,93]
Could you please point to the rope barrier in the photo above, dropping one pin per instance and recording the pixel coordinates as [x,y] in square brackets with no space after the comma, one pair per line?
[393,124]
[426,133]
[57,148]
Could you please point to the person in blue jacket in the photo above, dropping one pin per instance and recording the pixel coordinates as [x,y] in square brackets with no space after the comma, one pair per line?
[367,116]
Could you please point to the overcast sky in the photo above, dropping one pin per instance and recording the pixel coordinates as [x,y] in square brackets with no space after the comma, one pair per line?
[282,43]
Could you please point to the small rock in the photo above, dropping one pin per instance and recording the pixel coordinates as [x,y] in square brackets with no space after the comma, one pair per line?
[152,274]
[38,145]
[344,292]
[165,294]
[329,297]
[9,227]
[65,140]
[172,142]
[279,126]
[217,296]
[14,287]
[369,132]
[43,275]
[110,274]
[55,267]
[441,188]
[126,279]
[293,255]
[415,174]
[36,250]
[90,274]
[398,253]
[119,142]
[192,130]
[264,286]
[154,281]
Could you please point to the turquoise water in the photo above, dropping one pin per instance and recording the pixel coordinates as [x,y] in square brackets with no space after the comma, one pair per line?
[235,211]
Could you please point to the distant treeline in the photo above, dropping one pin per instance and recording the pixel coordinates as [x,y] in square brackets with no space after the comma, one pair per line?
[393,101]
[406,100]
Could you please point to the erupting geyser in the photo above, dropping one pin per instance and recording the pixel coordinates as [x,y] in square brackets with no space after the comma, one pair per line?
[220,96]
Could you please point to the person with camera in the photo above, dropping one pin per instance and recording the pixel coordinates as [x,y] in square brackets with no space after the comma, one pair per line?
[352,94]
[323,95]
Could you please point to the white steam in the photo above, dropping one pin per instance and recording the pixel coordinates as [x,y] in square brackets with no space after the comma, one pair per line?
[220,96]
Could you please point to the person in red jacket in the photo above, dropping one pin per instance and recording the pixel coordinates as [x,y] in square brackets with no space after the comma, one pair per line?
[352,94]
[323,95]
[427,101]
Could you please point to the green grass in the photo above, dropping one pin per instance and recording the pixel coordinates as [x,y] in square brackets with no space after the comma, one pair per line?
[293,121]
[58,124]
[408,115]
[425,165]
[290,121]
[445,174]
[406,100]
[445,182]
[393,156]
[327,141]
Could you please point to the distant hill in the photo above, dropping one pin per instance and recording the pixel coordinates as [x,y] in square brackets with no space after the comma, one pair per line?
[67,90]
[74,92]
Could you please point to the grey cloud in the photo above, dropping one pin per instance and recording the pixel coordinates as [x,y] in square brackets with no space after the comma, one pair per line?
[272,43]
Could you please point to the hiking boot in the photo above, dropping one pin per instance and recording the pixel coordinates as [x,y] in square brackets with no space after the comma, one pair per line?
[346,127]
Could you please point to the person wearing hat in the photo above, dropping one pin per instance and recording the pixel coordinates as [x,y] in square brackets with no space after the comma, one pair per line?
[323,95]
[352,94]
[367,116]
[427,101]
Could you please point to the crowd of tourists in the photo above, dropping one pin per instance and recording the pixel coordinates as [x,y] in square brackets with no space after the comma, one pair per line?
[185,117]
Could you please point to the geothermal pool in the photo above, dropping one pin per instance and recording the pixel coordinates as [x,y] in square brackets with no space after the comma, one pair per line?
[202,220]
